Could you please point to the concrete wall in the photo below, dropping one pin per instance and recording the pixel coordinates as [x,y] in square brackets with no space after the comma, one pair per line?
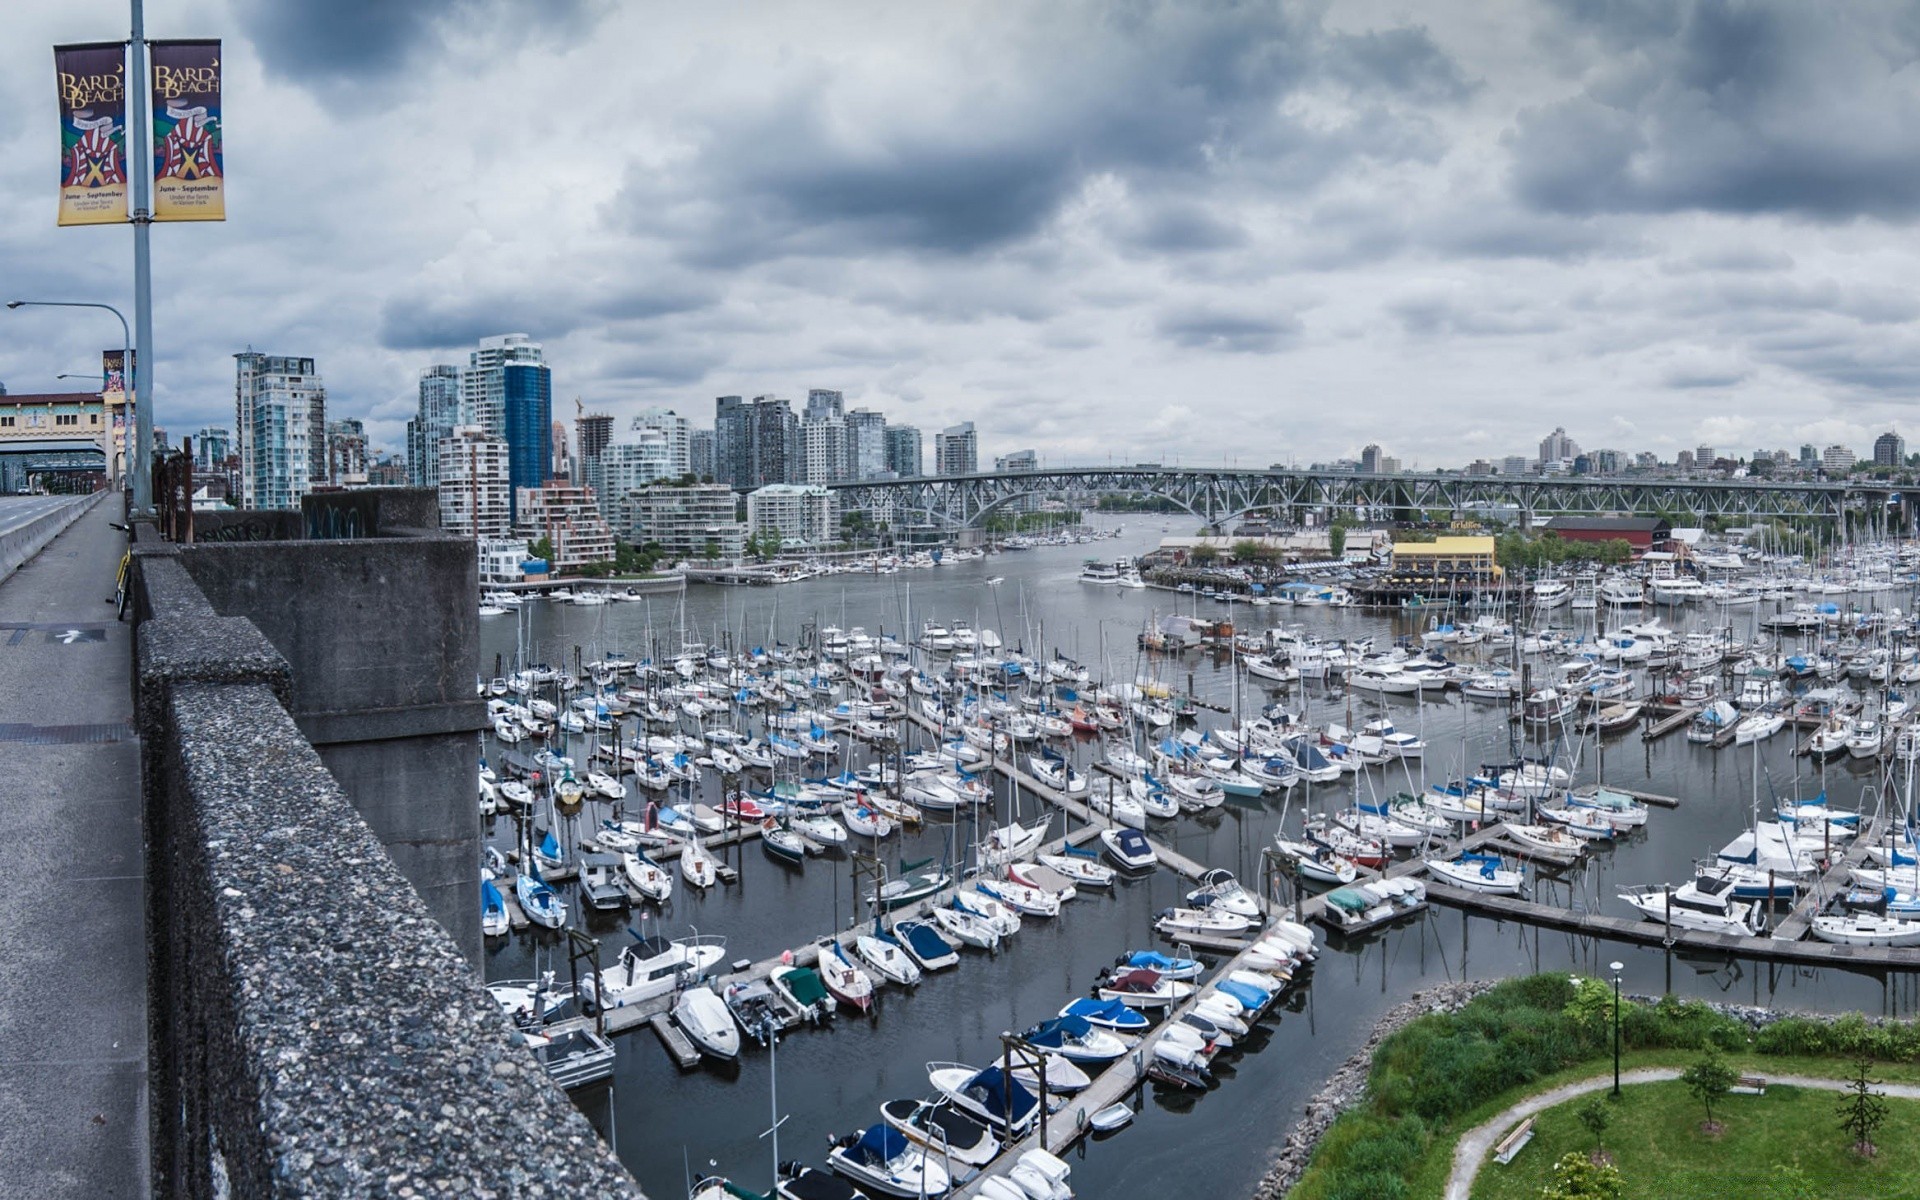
[381,634]
[314,1031]
[19,545]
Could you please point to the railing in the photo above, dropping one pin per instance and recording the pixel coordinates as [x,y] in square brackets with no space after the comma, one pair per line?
[173,493]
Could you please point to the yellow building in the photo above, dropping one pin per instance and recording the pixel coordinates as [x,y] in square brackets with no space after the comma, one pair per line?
[60,430]
[1461,559]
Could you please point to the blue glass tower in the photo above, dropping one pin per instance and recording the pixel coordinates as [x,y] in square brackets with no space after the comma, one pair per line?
[528,412]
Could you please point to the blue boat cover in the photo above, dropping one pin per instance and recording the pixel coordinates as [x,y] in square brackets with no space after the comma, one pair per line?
[1249,996]
[1000,1095]
[1108,1010]
[880,1144]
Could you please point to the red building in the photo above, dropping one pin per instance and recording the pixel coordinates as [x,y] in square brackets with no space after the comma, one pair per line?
[1642,533]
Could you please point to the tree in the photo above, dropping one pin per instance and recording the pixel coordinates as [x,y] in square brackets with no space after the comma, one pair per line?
[711,550]
[1709,1079]
[1337,539]
[1248,550]
[770,543]
[1596,1114]
[542,549]
[1862,1110]
[1204,553]
[1576,1177]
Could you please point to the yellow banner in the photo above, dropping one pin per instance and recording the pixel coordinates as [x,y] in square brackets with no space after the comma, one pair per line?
[92,81]
[189,167]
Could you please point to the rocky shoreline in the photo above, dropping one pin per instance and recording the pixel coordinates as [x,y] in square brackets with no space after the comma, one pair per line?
[1348,1085]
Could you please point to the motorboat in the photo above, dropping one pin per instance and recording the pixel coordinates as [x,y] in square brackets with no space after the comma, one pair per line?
[1129,849]
[988,1093]
[1206,922]
[1705,903]
[1220,890]
[1108,1014]
[943,1130]
[1042,1176]
[1315,861]
[705,1019]
[600,882]
[1478,873]
[1168,965]
[804,990]
[843,977]
[1137,988]
[887,959]
[800,1182]
[1866,929]
[759,1009]
[1077,1039]
[1062,1076]
[652,967]
[923,944]
[1112,1117]
[883,1160]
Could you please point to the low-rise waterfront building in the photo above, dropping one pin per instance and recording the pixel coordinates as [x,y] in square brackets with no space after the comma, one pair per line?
[687,522]
[568,518]
[801,514]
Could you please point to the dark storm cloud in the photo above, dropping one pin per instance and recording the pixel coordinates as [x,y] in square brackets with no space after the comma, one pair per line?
[1688,378]
[1163,96]
[333,41]
[1778,107]
[436,322]
[1448,316]
[1239,333]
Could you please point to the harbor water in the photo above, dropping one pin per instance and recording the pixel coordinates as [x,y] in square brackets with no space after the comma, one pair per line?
[668,1125]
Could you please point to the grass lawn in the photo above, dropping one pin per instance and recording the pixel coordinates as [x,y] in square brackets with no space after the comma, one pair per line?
[1657,1144]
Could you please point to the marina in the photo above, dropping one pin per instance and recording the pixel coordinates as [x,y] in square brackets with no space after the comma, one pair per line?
[774,914]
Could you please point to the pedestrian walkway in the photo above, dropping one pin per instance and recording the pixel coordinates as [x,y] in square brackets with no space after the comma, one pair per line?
[73,1011]
[1471,1153]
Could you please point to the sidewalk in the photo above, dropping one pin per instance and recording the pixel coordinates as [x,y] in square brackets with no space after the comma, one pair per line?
[73,1034]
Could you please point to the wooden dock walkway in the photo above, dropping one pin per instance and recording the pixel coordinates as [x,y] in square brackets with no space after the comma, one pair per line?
[1668,724]
[1797,922]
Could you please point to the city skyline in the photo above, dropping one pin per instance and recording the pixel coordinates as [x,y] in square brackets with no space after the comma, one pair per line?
[1683,221]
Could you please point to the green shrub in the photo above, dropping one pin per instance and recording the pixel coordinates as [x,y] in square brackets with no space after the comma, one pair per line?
[1793,1036]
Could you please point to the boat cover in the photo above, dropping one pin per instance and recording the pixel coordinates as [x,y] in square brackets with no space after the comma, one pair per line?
[1110,1010]
[879,1145]
[1056,1032]
[1347,899]
[818,1185]
[926,942]
[999,1096]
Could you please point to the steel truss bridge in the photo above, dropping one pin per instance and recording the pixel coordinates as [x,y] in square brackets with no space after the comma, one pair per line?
[1218,498]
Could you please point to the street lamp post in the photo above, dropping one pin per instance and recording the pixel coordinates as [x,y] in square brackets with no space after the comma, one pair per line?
[1616,968]
[136,463]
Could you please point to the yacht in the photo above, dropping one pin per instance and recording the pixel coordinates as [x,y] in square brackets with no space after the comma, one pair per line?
[1100,571]
[1707,904]
[652,967]
[1551,593]
[1622,591]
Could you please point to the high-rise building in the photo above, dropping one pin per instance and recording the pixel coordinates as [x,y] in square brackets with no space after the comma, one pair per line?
[436,417]
[700,452]
[650,454]
[1684,460]
[1809,457]
[1705,456]
[824,452]
[565,515]
[866,444]
[1370,460]
[483,385]
[593,431]
[347,453]
[279,402]
[1019,460]
[694,523]
[1514,464]
[527,400]
[732,451]
[672,434]
[211,446]
[1836,458]
[773,437]
[475,498]
[563,465]
[1889,450]
[956,450]
[903,451]
[801,514]
[823,405]
[1557,445]
[1607,462]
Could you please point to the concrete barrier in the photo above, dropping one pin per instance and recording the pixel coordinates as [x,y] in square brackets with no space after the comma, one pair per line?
[19,545]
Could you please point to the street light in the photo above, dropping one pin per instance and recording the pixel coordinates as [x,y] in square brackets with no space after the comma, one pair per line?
[136,465]
[1616,968]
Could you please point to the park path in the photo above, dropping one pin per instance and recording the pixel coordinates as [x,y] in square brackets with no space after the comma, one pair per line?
[1471,1153]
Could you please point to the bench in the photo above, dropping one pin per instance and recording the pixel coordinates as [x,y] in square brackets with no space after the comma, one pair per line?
[1750,1085]
[1510,1145]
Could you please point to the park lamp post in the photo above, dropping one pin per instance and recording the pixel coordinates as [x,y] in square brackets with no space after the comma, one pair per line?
[135,463]
[1616,968]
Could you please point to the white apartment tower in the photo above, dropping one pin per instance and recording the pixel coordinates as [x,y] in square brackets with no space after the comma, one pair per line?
[474,493]
[280,417]
[483,387]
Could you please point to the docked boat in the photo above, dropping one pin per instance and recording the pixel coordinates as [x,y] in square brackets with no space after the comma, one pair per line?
[759,1009]
[883,1160]
[917,881]
[600,882]
[493,910]
[1706,903]
[1167,965]
[1077,1039]
[1137,988]
[943,1130]
[1205,922]
[1220,890]
[1083,867]
[541,903]
[1866,929]
[705,1019]
[652,967]
[1478,873]
[1129,849]
[887,959]
[804,991]
[843,977]
[965,925]
[783,845]
[1025,899]
[923,944]
[800,1182]
[697,867]
[648,877]
[1108,1014]
[988,1093]
[1012,842]
[1315,861]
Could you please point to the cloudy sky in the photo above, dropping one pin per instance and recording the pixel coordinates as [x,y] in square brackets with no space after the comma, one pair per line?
[1193,232]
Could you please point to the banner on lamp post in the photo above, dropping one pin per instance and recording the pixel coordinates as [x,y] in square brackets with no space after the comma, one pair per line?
[189,169]
[92,82]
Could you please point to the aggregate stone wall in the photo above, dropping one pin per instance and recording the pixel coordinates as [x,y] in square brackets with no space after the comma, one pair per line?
[313,1030]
